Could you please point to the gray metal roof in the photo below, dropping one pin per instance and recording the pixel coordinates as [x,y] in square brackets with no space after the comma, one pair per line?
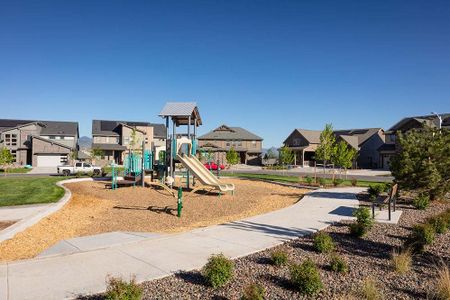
[312,136]
[225,132]
[112,128]
[429,120]
[362,134]
[49,127]
[181,111]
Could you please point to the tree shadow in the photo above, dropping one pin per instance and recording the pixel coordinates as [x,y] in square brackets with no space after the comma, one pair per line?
[334,195]
[263,261]
[273,230]
[192,277]
[156,209]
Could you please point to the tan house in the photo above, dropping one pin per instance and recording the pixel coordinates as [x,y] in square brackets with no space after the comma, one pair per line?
[39,143]
[389,148]
[116,138]
[304,143]
[223,138]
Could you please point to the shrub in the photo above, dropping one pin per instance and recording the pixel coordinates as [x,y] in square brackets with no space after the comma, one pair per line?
[279,258]
[338,264]
[370,290]
[354,182]
[421,201]
[78,174]
[322,181]
[306,278]
[385,187]
[375,190]
[309,180]
[90,174]
[323,242]
[439,223]
[118,289]
[364,222]
[401,261]
[254,292]
[442,285]
[218,270]
[422,235]
[338,181]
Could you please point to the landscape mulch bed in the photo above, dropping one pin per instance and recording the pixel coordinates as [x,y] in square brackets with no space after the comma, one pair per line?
[94,209]
[366,257]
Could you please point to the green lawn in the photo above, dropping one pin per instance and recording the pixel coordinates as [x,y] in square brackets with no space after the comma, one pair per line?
[15,170]
[295,179]
[32,190]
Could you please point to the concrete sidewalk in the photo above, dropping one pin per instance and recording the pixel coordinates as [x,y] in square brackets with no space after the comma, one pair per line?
[84,272]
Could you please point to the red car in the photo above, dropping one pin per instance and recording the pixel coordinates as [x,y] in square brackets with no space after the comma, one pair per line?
[213,166]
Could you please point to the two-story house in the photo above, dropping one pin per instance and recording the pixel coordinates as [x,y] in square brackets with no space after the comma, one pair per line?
[220,140]
[39,143]
[389,148]
[116,138]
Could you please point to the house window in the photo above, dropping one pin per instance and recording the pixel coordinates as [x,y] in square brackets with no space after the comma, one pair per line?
[63,159]
[228,144]
[14,154]
[126,140]
[254,144]
[296,142]
[10,139]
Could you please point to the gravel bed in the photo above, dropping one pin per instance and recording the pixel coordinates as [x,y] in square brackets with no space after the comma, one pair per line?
[367,257]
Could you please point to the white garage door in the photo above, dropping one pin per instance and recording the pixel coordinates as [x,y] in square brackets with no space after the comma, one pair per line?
[48,160]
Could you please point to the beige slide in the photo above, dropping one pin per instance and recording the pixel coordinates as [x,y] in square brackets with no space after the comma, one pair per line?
[192,163]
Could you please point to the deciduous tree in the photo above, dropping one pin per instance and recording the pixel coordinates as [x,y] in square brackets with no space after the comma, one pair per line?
[6,159]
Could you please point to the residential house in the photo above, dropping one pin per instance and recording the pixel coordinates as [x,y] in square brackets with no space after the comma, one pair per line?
[304,143]
[116,138]
[39,143]
[220,140]
[389,148]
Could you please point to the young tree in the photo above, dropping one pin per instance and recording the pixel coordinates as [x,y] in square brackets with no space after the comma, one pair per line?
[133,140]
[344,155]
[232,156]
[95,153]
[423,161]
[6,159]
[286,155]
[270,154]
[326,149]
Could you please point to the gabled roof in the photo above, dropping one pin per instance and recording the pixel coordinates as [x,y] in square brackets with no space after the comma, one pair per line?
[111,128]
[51,142]
[181,111]
[312,136]
[225,132]
[351,140]
[49,127]
[362,134]
[428,120]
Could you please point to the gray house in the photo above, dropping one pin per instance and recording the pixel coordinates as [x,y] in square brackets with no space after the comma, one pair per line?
[389,148]
[39,143]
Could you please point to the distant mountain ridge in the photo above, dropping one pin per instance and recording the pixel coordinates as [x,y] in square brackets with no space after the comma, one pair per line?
[85,143]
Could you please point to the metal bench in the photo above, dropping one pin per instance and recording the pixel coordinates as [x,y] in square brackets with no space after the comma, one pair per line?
[390,199]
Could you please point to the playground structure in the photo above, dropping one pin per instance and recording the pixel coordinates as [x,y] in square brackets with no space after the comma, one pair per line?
[181,147]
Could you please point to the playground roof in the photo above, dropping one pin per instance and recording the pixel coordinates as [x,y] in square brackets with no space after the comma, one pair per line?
[181,111]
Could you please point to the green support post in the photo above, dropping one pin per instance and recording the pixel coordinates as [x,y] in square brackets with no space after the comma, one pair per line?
[180,201]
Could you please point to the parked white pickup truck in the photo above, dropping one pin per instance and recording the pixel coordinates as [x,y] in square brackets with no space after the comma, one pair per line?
[80,167]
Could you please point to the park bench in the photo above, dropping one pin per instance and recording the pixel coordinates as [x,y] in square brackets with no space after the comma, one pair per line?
[390,199]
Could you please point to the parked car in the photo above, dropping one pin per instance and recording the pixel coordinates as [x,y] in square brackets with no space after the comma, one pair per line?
[79,167]
[213,166]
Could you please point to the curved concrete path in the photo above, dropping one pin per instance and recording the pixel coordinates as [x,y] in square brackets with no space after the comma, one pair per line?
[84,272]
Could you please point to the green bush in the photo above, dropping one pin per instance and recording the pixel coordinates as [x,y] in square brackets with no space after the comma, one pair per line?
[338,264]
[338,181]
[306,278]
[78,174]
[218,270]
[118,289]
[375,190]
[421,201]
[323,242]
[364,222]
[279,258]
[309,180]
[439,223]
[354,182]
[322,181]
[254,292]
[422,235]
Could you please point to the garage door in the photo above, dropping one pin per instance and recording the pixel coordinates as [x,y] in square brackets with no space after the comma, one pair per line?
[49,160]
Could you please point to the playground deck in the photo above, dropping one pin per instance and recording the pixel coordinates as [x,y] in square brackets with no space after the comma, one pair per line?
[94,209]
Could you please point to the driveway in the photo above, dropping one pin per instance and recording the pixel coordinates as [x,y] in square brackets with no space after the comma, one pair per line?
[43,171]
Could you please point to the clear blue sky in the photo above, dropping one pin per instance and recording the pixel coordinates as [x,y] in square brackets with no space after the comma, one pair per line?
[268,66]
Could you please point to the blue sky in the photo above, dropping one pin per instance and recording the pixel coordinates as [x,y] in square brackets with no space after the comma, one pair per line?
[268,66]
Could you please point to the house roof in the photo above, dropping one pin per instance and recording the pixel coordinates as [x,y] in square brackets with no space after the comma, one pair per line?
[225,132]
[312,136]
[181,111]
[111,128]
[362,134]
[51,142]
[428,120]
[351,140]
[48,127]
